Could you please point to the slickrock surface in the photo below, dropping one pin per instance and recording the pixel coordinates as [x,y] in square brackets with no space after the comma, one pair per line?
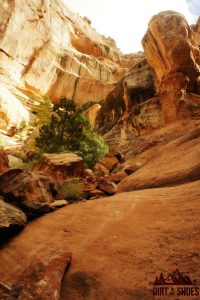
[136,235]
[171,164]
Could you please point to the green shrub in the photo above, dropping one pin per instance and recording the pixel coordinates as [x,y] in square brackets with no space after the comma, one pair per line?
[70,131]
[92,148]
[72,189]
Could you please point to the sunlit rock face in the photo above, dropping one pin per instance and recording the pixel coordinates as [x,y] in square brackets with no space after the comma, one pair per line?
[196,31]
[92,113]
[45,49]
[171,50]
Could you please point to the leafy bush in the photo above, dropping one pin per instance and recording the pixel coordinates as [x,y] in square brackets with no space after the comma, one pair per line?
[72,189]
[92,148]
[68,130]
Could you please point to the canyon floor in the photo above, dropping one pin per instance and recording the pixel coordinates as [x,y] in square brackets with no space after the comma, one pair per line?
[118,244]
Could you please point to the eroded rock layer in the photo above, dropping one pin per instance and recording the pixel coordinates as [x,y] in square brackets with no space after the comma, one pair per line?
[45,49]
[172,51]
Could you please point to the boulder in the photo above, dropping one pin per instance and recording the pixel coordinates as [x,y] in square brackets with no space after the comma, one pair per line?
[96,194]
[174,55]
[117,177]
[11,216]
[130,169]
[59,203]
[4,161]
[60,167]
[99,169]
[31,191]
[109,162]
[107,187]
[89,173]
[89,186]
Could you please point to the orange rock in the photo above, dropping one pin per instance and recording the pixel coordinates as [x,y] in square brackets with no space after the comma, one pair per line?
[60,167]
[11,216]
[27,189]
[4,161]
[173,53]
[175,163]
[107,187]
[109,162]
[99,169]
[42,277]
[116,178]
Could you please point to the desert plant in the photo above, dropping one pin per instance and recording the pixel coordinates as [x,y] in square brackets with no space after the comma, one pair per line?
[92,148]
[72,189]
[68,130]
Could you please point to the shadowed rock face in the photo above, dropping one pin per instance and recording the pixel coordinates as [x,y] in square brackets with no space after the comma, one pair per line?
[136,87]
[174,55]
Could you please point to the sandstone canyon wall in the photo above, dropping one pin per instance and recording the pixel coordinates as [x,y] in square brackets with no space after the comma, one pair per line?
[172,51]
[161,88]
[46,50]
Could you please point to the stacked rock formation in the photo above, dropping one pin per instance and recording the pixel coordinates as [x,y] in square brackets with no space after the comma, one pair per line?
[171,50]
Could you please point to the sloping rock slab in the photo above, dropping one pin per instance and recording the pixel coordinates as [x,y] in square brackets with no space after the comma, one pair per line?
[119,244]
[174,163]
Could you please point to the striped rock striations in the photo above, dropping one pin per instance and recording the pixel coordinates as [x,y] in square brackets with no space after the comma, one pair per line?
[46,50]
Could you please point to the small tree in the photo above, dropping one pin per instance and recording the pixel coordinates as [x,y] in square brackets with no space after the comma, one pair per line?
[69,130]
